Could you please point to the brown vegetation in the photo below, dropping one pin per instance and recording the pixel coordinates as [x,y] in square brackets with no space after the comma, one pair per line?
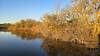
[78,23]
[62,48]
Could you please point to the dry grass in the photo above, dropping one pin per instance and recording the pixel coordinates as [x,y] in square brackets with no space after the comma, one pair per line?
[74,24]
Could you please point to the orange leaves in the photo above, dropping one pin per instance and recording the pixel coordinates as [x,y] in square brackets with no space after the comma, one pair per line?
[97,14]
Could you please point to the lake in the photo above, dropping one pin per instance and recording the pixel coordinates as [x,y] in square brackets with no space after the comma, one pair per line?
[12,45]
[24,45]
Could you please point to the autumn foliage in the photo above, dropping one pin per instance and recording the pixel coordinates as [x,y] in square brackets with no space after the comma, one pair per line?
[77,24]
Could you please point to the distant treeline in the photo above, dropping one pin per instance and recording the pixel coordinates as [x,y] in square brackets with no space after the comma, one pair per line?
[4,26]
[78,24]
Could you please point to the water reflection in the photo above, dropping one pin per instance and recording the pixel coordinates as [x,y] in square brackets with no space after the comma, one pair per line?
[61,48]
[27,44]
[12,45]
[27,35]
[24,35]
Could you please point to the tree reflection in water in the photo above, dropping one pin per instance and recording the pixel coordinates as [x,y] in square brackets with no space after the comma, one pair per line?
[58,47]
[25,35]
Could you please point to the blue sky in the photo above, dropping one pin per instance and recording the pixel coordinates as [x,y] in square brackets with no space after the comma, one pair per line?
[15,10]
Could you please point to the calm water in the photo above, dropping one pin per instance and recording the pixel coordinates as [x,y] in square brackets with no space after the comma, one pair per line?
[23,44]
[12,45]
